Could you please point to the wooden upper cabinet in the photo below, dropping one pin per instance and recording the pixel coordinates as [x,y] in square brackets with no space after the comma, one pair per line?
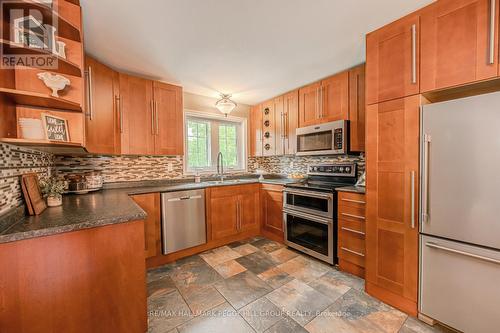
[256,131]
[334,98]
[392,208]
[168,119]
[309,104]
[291,121]
[136,98]
[459,43]
[279,119]
[102,128]
[392,60]
[357,108]
[269,139]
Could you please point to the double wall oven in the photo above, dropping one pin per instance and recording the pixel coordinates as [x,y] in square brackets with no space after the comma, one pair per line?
[310,210]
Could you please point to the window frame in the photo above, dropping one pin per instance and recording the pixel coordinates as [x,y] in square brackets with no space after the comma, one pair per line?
[213,145]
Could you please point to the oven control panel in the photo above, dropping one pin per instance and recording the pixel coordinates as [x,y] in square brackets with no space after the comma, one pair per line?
[345,169]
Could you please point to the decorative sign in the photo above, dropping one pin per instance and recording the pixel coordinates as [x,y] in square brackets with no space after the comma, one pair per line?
[56,129]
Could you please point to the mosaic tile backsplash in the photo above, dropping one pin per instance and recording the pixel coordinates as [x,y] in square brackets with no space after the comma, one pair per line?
[124,168]
[14,162]
[285,165]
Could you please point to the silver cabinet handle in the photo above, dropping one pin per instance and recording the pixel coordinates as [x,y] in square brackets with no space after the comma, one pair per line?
[492,31]
[238,215]
[118,104]
[412,199]
[354,201]
[157,117]
[352,230]
[425,183]
[354,216]
[321,102]
[317,103]
[353,252]
[414,54]
[444,248]
[152,106]
[90,95]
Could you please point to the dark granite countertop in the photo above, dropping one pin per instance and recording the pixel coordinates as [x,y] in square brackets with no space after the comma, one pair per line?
[352,189]
[109,206]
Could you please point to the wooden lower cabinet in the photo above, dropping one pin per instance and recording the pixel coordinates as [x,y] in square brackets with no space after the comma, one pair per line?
[392,219]
[271,197]
[79,281]
[351,233]
[232,210]
[151,204]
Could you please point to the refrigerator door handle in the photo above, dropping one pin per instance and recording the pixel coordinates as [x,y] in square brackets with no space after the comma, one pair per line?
[447,249]
[425,189]
[412,199]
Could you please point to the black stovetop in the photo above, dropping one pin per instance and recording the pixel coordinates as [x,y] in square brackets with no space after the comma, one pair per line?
[323,184]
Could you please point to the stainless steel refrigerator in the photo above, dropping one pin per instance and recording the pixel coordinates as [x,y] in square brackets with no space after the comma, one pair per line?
[460,213]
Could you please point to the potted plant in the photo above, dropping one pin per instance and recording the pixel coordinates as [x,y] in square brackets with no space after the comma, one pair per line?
[52,189]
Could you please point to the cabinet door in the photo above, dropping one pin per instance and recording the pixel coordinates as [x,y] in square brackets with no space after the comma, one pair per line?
[256,131]
[272,209]
[459,43]
[334,98]
[150,203]
[392,61]
[168,120]
[249,203]
[392,222]
[291,120]
[223,216]
[269,129]
[279,119]
[102,128]
[309,104]
[136,97]
[357,108]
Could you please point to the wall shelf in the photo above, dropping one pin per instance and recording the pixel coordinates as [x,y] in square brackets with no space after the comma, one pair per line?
[29,98]
[64,66]
[64,28]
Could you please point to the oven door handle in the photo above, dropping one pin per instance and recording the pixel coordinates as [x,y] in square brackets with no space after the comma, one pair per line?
[308,217]
[310,194]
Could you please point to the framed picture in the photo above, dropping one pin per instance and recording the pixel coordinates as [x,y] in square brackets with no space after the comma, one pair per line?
[55,128]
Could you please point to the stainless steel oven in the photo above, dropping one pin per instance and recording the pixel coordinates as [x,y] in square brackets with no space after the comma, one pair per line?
[309,202]
[325,139]
[310,234]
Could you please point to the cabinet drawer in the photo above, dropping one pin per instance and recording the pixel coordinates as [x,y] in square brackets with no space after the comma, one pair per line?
[350,213]
[352,247]
[352,200]
[272,187]
[354,225]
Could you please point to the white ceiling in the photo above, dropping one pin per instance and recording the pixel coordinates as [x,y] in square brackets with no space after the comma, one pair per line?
[254,49]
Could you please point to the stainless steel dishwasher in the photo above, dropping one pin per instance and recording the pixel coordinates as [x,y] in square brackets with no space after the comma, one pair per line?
[183,220]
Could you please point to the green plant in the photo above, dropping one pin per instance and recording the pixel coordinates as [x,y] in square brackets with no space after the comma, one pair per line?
[52,187]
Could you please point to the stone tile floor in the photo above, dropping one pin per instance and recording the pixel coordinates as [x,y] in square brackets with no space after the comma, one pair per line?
[261,286]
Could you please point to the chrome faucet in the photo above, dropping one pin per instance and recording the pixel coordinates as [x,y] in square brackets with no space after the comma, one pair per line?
[220,166]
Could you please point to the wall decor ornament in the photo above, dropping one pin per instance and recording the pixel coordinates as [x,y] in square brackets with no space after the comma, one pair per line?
[55,82]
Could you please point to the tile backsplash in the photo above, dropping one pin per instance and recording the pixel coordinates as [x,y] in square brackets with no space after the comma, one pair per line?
[14,162]
[124,168]
[285,165]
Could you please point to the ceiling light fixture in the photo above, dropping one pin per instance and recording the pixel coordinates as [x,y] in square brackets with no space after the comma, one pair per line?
[225,105]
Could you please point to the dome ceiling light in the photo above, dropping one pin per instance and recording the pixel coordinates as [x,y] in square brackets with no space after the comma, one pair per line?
[225,105]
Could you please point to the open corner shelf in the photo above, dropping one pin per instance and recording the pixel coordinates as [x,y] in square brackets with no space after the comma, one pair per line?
[64,66]
[29,98]
[47,146]
[64,28]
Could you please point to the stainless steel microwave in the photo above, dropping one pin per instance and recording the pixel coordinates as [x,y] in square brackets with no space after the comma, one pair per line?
[325,139]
